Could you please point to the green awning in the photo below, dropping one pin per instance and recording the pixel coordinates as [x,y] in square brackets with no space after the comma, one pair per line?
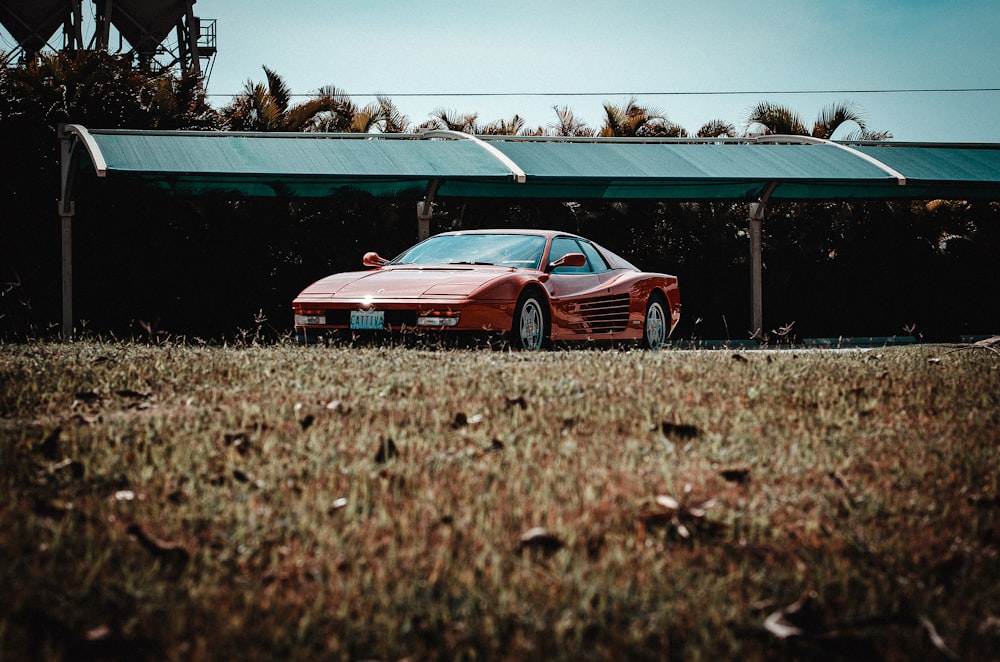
[285,164]
[457,165]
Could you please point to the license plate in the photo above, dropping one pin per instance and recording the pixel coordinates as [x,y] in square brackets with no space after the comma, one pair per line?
[367,319]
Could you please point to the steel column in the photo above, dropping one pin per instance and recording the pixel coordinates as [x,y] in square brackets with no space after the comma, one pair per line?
[67,208]
[756,285]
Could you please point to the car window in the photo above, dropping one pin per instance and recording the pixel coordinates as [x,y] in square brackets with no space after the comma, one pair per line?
[509,250]
[562,246]
[596,260]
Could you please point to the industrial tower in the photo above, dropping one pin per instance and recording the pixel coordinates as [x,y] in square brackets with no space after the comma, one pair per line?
[141,28]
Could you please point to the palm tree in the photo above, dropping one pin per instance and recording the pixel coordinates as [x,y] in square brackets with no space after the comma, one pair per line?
[770,119]
[512,127]
[269,108]
[451,120]
[632,120]
[384,115]
[568,125]
[717,129]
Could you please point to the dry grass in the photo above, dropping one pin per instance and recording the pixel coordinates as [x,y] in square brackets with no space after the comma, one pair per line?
[182,502]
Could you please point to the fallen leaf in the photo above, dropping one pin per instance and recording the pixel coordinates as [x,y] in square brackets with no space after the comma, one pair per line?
[49,447]
[668,502]
[679,430]
[699,510]
[136,395]
[386,451]
[87,396]
[519,401]
[244,477]
[936,639]
[739,475]
[339,407]
[799,618]
[171,551]
[75,468]
[239,441]
[98,633]
[539,539]
[53,507]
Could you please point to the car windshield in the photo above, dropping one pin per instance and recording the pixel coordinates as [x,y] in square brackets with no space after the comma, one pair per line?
[523,251]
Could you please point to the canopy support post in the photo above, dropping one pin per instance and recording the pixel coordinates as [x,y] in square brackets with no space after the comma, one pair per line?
[425,210]
[756,285]
[67,209]
[757,210]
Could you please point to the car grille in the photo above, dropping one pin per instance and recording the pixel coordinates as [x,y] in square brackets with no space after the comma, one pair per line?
[605,314]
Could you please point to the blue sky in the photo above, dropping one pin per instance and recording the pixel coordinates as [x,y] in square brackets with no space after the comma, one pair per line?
[677,56]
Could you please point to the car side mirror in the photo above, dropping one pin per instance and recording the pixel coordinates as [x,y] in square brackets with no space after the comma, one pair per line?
[372,259]
[569,260]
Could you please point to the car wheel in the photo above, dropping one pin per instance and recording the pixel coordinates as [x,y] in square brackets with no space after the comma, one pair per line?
[528,330]
[656,326]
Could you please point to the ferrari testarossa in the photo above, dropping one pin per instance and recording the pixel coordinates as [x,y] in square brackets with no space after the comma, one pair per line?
[534,286]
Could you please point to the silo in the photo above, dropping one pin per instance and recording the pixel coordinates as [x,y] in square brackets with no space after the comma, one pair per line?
[145,24]
[32,22]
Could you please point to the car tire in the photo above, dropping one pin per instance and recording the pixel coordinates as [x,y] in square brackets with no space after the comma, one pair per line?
[656,323]
[528,331]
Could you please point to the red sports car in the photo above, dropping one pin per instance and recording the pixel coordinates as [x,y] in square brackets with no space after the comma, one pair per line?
[535,286]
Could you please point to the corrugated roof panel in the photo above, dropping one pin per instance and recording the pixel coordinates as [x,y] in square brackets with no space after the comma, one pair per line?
[699,161]
[293,154]
[941,164]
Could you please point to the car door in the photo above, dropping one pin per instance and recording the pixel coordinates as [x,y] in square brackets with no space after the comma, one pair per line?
[582,303]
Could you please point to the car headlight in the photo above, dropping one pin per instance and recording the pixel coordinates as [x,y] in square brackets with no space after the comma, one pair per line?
[310,318]
[438,318]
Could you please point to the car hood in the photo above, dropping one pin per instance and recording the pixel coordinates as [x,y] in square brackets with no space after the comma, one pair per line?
[404,282]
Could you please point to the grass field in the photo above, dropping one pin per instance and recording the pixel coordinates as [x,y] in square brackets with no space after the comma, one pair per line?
[277,502]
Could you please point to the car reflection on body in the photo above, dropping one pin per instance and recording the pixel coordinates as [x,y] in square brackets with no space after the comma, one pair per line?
[534,286]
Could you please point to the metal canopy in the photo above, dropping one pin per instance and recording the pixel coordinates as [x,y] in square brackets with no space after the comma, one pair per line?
[442,164]
[322,165]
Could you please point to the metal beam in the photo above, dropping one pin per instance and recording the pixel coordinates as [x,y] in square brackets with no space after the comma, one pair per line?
[515,170]
[425,210]
[809,140]
[67,208]
[757,210]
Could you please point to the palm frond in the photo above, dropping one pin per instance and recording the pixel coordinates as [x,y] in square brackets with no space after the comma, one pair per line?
[279,90]
[717,129]
[451,120]
[392,119]
[303,116]
[769,118]
[836,114]
[568,124]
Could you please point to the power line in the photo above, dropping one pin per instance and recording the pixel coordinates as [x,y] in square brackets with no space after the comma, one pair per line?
[938,90]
